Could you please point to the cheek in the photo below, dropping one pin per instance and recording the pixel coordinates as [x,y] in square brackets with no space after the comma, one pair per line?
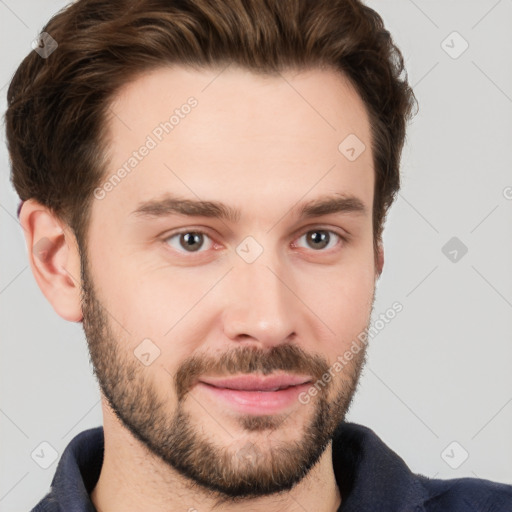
[135,312]
[159,306]
[353,297]
[343,301]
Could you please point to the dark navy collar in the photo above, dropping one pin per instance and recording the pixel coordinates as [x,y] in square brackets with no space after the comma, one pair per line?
[370,476]
[77,473]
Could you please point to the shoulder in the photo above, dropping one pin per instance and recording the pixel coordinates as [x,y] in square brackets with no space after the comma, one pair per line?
[369,474]
[48,504]
[466,495]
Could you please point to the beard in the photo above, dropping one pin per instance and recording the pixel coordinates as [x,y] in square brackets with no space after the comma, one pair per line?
[241,470]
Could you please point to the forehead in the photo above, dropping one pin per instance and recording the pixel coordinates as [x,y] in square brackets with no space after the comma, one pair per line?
[235,136]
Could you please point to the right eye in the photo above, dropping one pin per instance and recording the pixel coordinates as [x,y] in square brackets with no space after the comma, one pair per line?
[187,240]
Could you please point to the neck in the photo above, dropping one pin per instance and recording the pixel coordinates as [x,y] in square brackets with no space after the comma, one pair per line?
[132,479]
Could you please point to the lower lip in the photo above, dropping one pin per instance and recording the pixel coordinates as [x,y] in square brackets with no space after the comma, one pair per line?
[256,402]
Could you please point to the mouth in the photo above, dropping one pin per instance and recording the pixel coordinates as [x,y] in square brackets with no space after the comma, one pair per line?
[256,382]
[255,394]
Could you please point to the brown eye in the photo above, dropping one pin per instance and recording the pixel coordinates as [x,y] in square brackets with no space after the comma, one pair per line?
[319,239]
[187,241]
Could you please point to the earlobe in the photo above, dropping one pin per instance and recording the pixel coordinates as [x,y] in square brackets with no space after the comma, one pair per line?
[54,258]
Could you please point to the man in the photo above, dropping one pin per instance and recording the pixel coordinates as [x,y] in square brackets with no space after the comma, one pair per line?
[256,131]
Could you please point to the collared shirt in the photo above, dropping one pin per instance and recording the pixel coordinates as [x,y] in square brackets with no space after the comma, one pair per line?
[370,476]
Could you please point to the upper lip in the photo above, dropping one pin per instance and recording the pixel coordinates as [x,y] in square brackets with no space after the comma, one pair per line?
[256,382]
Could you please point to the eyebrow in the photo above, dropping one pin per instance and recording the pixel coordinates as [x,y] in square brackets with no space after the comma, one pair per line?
[169,205]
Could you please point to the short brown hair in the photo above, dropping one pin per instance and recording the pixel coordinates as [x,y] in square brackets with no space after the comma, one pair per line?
[58,106]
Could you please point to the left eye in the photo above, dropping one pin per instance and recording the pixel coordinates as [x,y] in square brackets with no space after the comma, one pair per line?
[193,241]
[320,238]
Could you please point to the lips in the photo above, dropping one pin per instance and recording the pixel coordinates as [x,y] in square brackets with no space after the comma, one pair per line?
[257,382]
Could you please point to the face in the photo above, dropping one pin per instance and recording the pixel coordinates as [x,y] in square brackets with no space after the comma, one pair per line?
[214,328]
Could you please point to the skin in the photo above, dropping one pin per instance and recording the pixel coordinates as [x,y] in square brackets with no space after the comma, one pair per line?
[168,444]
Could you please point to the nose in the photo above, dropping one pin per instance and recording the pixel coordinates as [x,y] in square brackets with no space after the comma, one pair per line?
[260,306]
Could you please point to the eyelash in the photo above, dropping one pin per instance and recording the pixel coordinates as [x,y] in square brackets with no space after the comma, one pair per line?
[343,239]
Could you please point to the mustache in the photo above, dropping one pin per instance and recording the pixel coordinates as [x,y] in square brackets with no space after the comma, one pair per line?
[245,360]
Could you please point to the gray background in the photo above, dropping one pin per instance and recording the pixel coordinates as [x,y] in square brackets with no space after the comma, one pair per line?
[439,372]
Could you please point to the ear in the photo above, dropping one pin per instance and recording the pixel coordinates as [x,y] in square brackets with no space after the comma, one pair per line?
[54,258]
[379,263]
